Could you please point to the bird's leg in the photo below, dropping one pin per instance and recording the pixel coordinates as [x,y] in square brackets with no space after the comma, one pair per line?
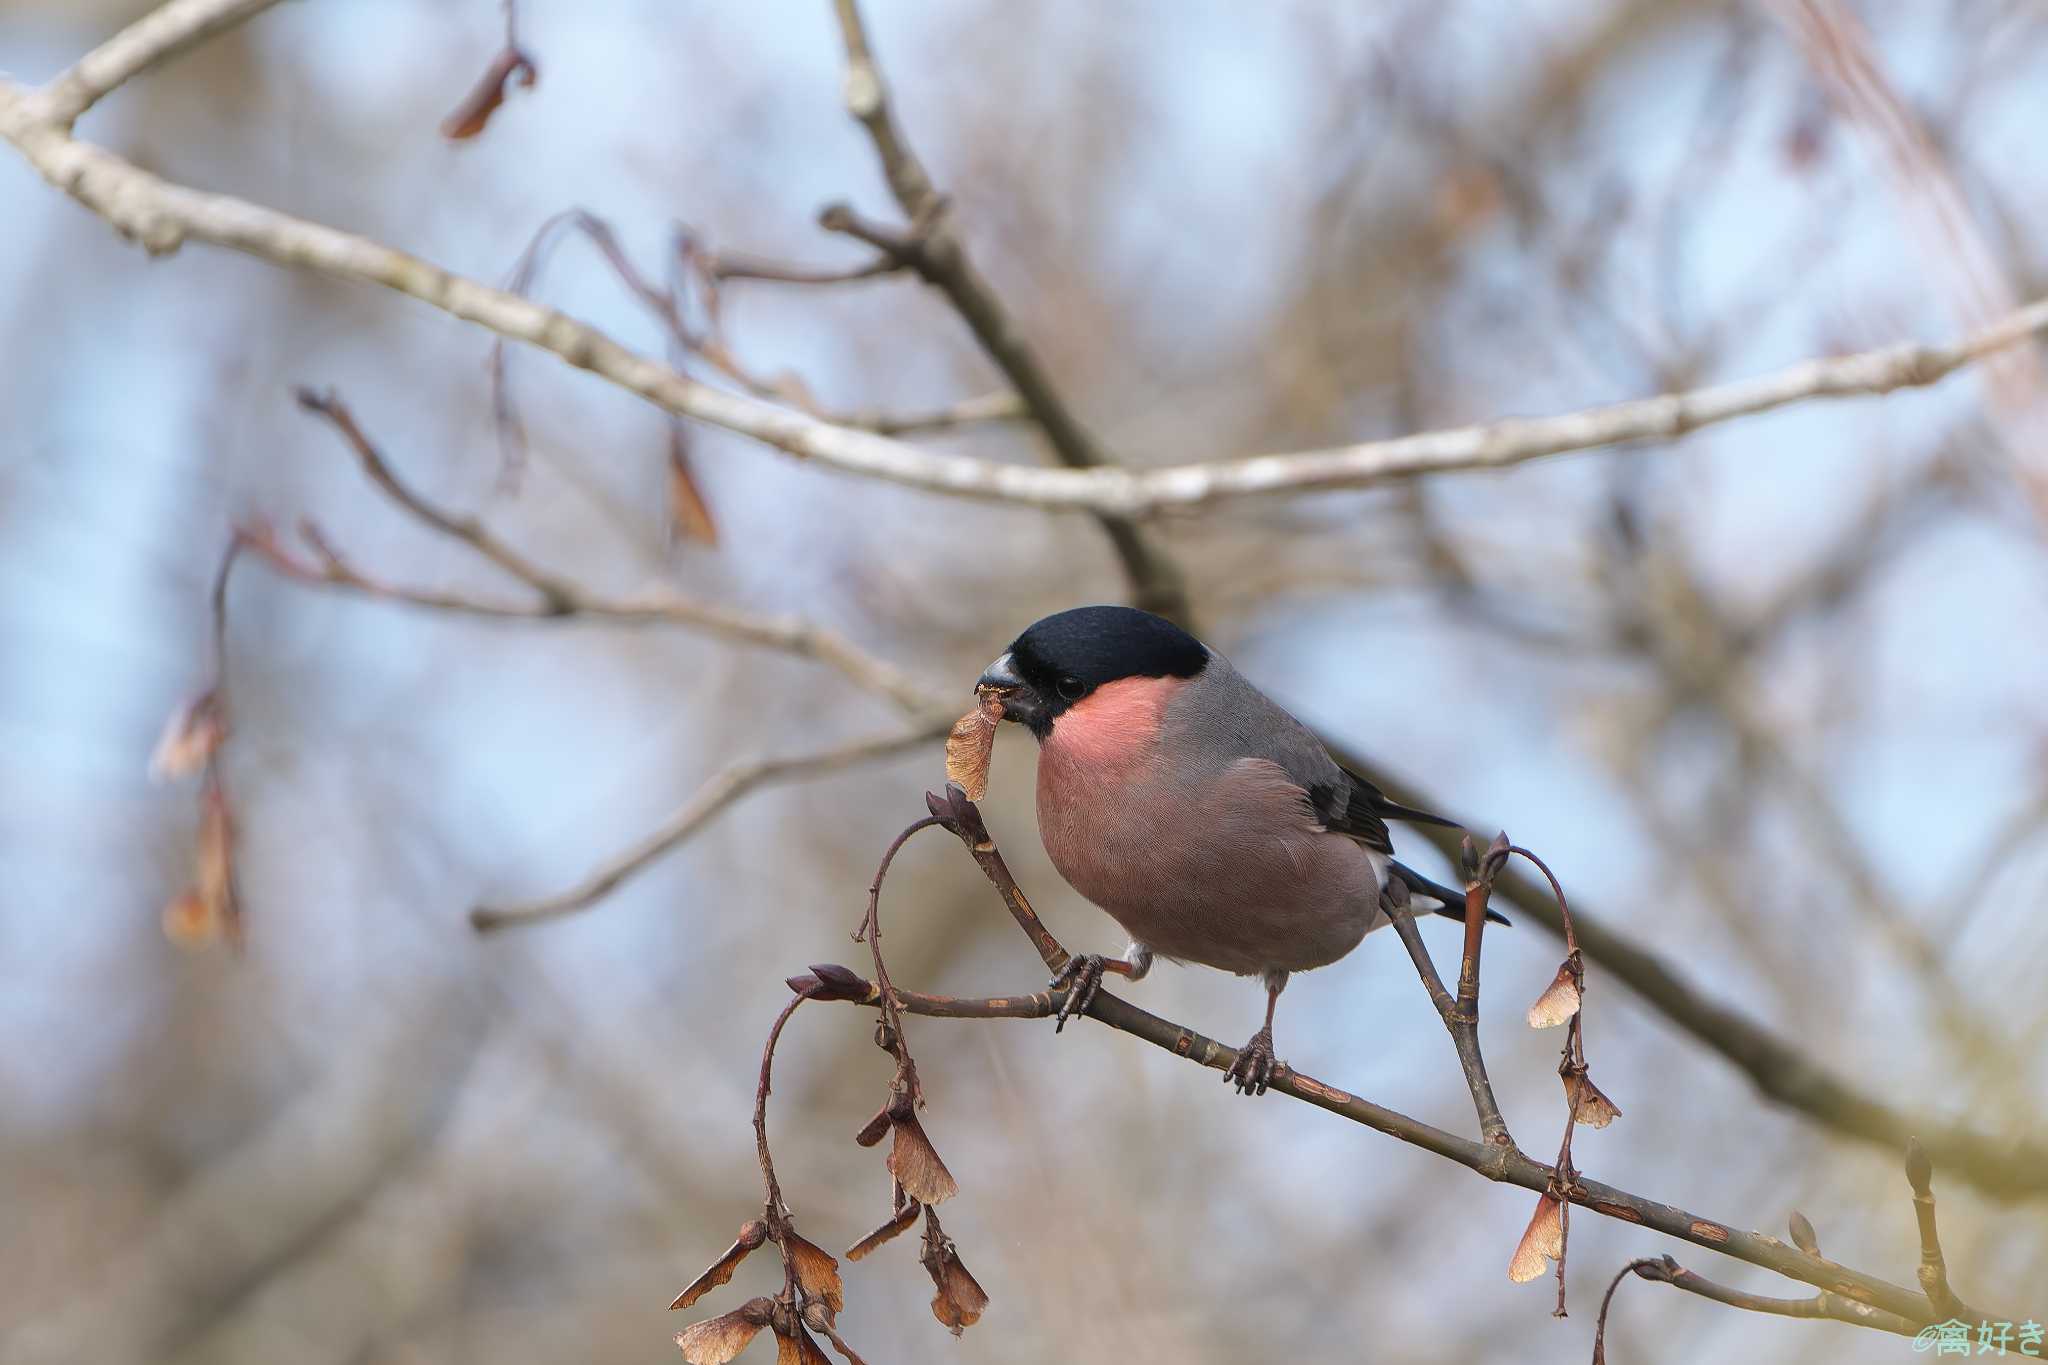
[1253,1070]
[1082,977]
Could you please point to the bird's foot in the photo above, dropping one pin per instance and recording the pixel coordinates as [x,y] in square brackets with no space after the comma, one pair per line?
[1255,1066]
[1081,978]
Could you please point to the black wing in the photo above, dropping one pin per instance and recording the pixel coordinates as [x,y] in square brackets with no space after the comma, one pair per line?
[1351,805]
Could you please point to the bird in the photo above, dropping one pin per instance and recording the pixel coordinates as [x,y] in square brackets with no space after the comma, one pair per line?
[1208,822]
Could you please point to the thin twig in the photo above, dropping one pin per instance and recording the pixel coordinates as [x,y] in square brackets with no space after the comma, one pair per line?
[1827,1304]
[941,260]
[724,787]
[1463,1027]
[560,598]
[155,38]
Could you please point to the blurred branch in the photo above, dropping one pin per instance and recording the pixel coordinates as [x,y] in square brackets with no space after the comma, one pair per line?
[724,788]
[1783,1069]
[151,40]
[986,407]
[562,598]
[162,216]
[933,249]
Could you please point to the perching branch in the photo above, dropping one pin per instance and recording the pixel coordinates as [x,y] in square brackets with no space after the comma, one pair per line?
[961,816]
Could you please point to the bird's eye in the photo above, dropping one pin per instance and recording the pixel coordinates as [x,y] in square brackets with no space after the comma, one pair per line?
[1072,687]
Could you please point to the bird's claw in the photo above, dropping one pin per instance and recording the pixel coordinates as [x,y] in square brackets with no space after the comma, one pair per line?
[1081,978]
[1255,1067]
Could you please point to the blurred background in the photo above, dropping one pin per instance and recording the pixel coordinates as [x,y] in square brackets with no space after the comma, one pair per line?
[1769,699]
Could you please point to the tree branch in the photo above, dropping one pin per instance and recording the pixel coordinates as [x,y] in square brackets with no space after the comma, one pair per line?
[162,216]
[155,38]
[724,788]
[940,259]
[561,598]
[1606,1200]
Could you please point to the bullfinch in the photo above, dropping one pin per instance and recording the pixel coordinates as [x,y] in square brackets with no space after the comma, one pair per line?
[1209,823]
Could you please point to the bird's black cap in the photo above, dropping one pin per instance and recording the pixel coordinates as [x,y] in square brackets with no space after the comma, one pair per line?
[1069,654]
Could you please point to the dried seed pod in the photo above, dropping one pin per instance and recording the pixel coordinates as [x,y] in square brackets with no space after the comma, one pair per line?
[751,1235]
[1542,1239]
[972,743]
[714,1341]
[1559,1002]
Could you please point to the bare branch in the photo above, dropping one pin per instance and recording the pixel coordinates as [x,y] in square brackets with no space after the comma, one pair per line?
[1782,1069]
[1826,1304]
[561,598]
[724,788]
[1512,1167]
[162,216]
[1460,1016]
[936,252]
[155,38]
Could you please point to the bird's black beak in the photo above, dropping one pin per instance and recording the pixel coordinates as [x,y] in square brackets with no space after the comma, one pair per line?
[1021,702]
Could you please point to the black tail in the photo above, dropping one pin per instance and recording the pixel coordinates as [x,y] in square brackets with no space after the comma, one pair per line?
[1386,809]
[1453,901]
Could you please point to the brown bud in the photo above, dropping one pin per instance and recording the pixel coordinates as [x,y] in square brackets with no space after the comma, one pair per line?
[960,1300]
[751,1235]
[1559,1002]
[714,1341]
[1802,1234]
[915,1163]
[1542,1239]
[1919,1169]
[888,1232]
[835,982]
